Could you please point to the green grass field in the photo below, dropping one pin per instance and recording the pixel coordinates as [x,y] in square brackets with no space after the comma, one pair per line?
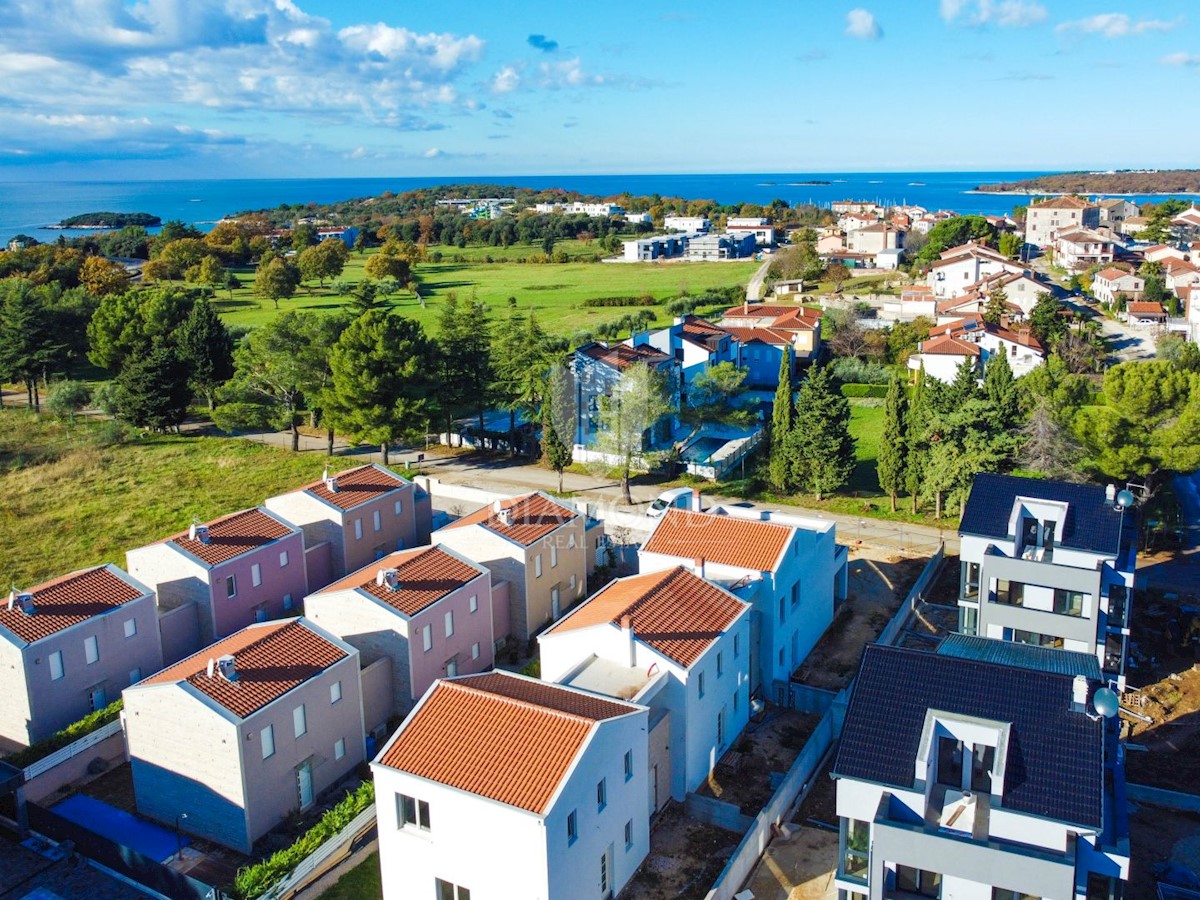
[554,292]
[363,882]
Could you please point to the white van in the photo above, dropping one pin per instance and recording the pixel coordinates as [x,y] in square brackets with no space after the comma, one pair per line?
[677,498]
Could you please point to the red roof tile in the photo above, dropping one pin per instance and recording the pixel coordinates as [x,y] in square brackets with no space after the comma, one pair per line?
[271,659]
[532,517]
[357,486]
[499,736]
[1065,202]
[69,600]
[423,576]
[726,540]
[231,536]
[1146,308]
[622,356]
[676,612]
[948,345]
[747,335]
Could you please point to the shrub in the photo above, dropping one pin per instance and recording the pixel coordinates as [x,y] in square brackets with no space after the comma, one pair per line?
[864,390]
[859,371]
[68,735]
[67,398]
[253,881]
[644,300]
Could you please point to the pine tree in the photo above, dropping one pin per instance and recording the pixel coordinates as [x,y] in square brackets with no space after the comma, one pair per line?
[152,391]
[820,441]
[915,439]
[891,464]
[997,307]
[782,416]
[206,347]
[1000,391]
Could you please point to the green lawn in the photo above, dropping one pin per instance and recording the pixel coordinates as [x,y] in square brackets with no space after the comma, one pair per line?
[552,291]
[363,882]
[72,499]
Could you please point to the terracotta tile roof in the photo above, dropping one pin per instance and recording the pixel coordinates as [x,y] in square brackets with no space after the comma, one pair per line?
[1061,203]
[1173,266]
[1113,273]
[271,659]
[725,540]
[974,324]
[231,536]
[747,335]
[532,517]
[676,612]
[1083,235]
[956,255]
[702,332]
[423,576]
[622,356]
[768,311]
[492,736]
[948,345]
[1146,308]
[797,320]
[69,600]
[356,486]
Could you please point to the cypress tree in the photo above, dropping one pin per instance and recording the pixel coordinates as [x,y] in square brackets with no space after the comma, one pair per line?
[206,347]
[558,455]
[820,444]
[782,416]
[892,462]
[915,443]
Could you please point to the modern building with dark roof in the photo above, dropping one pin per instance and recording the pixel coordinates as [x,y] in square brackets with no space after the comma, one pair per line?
[599,371]
[246,732]
[1049,563]
[958,777]
[69,646]
[499,785]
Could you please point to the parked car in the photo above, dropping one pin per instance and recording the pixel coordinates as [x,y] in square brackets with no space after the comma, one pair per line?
[679,498]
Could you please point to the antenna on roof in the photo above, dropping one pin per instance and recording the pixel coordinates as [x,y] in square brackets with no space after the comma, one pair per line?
[1106,702]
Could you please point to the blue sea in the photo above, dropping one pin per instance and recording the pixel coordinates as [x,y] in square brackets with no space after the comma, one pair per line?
[26,207]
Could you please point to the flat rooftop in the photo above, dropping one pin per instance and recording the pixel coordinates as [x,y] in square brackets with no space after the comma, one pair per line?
[606,677]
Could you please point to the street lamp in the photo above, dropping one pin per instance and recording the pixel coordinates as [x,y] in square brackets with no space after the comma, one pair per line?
[179,837]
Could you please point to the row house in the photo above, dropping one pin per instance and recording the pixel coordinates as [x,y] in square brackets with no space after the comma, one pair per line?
[790,570]
[649,249]
[961,268]
[983,775]
[245,733]
[671,641]
[428,610]
[539,546]
[863,207]
[499,786]
[1051,564]
[1044,220]
[728,245]
[1112,282]
[598,370]
[69,646]
[1078,249]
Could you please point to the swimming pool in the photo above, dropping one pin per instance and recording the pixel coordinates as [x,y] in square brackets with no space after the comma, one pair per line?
[699,450]
[136,833]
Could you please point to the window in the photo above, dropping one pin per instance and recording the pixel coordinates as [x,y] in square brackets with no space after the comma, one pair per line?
[1005,894]
[572,827]
[1068,603]
[628,834]
[601,794]
[335,692]
[737,646]
[720,664]
[571,581]
[339,748]
[628,764]
[452,667]
[287,601]
[377,520]
[970,581]
[571,542]
[735,700]
[358,529]
[475,650]
[474,603]
[970,620]
[782,610]
[255,575]
[283,559]
[56,665]
[299,721]
[450,623]
[135,675]
[1010,592]
[949,762]
[857,845]
[796,593]
[553,556]
[267,739]
[412,812]
[231,586]
[700,684]
[260,614]
[427,637]
[917,881]
[398,507]
[537,566]
[448,891]
[130,627]
[91,649]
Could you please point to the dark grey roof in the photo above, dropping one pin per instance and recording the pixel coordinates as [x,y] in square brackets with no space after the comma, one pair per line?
[1092,523]
[1023,656]
[1055,756]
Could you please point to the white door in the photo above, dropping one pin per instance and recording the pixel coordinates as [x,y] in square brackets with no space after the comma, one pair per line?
[98,698]
[606,874]
[555,604]
[304,783]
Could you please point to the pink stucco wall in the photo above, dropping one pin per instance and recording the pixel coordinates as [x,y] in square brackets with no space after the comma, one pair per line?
[470,628]
[231,614]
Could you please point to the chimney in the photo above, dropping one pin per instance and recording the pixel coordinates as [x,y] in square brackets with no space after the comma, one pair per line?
[1110,494]
[698,564]
[228,667]
[202,533]
[25,603]
[627,632]
[696,504]
[1079,694]
[746,307]
[332,484]
[505,517]
[389,578]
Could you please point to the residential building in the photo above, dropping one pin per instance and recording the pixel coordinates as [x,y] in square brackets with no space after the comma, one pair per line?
[354,517]
[347,234]
[578,208]
[246,732]
[215,579]
[959,777]
[638,218]
[598,370]
[69,646]
[865,207]
[972,338]
[830,242]
[500,786]
[730,245]
[1133,226]
[763,330]
[1049,563]
[428,610]
[1163,252]
[942,355]
[687,224]
[789,569]
[916,300]
[1112,282]
[961,268]
[1021,291]
[1145,313]
[761,228]
[1044,220]
[695,343]
[853,221]
[1187,223]
[538,545]
[875,238]
[1079,249]
[1116,210]
[669,623]
[1179,273]
[649,249]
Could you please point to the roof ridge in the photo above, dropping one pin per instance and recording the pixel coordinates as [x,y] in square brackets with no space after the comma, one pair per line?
[665,577]
[208,651]
[517,701]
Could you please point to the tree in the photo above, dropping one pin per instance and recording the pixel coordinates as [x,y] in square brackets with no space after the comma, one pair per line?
[1000,391]
[383,383]
[182,254]
[326,260]
[558,421]
[916,438]
[636,406]
[276,279]
[1055,386]
[360,243]
[206,347]
[303,236]
[996,308]
[952,233]
[386,265]
[520,360]
[365,296]
[465,358]
[231,283]
[838,274]
[1179,351]
[208,271]
[29,345]
[714,397]
[1045,321]
[891,463]
[152,390]
[822,448]
[100,276]
[66,398]
[127,325]
[782,416]
[1048,446]
[1010,244]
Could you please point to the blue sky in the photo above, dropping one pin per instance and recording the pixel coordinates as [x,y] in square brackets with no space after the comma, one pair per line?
[252,88]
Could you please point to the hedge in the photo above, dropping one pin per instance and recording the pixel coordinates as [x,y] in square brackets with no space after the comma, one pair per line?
[68,735]
[865,390]
[254,881]
[644,300]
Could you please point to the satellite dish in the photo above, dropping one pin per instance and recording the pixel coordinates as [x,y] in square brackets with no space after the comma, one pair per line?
[1106,702]
[1124,499]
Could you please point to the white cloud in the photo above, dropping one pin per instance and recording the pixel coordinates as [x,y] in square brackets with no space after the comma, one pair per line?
[861,24]
[1117,25]
[432,153]
[567,73]
[1181,59]
[1003,13]
[507,79]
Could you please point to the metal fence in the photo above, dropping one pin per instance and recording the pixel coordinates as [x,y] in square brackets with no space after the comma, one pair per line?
[323,858]
[916,594]
[82,745]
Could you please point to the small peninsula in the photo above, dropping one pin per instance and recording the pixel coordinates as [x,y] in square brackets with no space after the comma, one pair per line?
[108,220]
[1129,181]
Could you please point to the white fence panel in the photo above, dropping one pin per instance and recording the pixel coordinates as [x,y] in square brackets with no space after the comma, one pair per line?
[91,739]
